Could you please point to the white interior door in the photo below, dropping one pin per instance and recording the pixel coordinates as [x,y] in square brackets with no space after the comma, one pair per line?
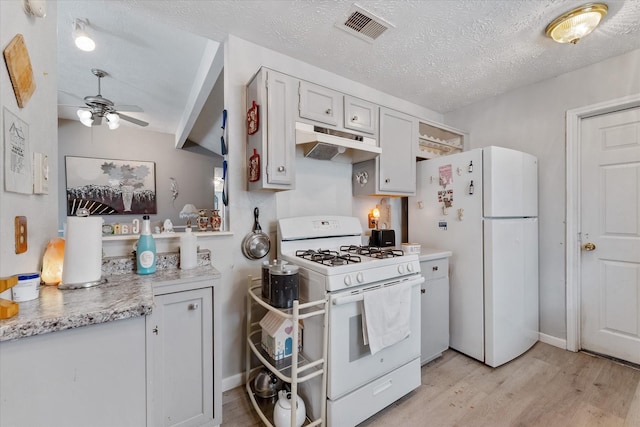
[610,214]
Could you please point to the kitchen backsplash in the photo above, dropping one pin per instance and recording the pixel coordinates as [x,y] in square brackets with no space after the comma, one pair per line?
[165,261]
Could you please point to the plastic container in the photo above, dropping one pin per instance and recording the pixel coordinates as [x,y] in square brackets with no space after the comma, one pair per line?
[188,250]
[146,249]
[28,287]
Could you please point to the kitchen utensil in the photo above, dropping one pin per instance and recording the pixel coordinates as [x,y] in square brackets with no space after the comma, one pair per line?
[266,384]
[283,285]
[256,244]
[19,66]
[282,410]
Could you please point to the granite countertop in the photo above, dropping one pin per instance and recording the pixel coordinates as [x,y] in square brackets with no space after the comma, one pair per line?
[124,295]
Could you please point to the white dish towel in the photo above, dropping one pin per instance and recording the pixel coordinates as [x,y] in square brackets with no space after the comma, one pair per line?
[386,314]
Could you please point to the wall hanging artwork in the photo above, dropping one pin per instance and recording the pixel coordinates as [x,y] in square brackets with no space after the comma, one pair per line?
[17,156]
[110,187]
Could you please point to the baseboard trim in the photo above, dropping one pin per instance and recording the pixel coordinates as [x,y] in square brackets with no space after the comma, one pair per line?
[232,382]
[554,341]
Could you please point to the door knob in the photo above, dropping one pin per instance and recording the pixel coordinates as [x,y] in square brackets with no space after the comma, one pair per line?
[589,246]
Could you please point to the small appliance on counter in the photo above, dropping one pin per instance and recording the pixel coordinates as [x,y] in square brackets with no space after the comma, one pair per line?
[382,238]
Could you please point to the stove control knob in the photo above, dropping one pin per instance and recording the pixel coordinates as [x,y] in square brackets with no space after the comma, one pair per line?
[410,267]
[360,277]
[347,280]
[401,269]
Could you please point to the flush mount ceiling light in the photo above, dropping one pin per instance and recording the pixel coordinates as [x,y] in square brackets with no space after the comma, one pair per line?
[577,23]
[81,37]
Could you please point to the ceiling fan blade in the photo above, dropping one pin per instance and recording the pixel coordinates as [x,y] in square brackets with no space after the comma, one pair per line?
[132,120]
[97,120]
[130,108]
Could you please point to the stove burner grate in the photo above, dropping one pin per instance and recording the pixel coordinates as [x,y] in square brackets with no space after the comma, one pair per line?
[372,251]
[327,257]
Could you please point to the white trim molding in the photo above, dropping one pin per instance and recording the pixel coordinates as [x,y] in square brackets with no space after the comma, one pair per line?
[554,341]
[573,228]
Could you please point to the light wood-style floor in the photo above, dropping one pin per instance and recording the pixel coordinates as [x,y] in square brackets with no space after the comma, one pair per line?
[546,386]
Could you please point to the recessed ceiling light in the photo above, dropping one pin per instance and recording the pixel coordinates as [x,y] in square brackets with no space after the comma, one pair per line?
[577,23]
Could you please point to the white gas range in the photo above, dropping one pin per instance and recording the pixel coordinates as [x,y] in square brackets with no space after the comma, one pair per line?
[334,265]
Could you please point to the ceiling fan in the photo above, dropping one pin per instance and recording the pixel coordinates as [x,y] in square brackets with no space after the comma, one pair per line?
[98,107]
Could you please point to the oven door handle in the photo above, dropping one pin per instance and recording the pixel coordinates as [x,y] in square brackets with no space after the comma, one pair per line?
[360,295]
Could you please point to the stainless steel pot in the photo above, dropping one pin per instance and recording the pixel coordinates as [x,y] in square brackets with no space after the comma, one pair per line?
[256,244]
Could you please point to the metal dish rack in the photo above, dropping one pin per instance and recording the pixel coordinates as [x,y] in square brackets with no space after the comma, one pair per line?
[293,369]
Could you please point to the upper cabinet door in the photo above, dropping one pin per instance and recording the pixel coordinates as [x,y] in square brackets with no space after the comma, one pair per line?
[397,163]
[320,104]
[281,136]
[360,115]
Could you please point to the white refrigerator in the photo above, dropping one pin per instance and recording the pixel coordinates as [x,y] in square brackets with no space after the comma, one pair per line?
[482,205]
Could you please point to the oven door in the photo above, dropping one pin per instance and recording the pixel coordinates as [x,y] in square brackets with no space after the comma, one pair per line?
[351,364]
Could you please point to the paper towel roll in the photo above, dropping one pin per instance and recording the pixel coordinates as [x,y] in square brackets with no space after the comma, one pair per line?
[82,251]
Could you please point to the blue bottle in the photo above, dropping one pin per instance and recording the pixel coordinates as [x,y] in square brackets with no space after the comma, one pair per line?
[146,251]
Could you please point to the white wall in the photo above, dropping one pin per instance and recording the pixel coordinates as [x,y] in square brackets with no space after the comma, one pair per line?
[192,171]
[532,119]
[42,118]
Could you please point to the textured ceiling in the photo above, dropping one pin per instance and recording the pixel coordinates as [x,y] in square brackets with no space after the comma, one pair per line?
[442,55]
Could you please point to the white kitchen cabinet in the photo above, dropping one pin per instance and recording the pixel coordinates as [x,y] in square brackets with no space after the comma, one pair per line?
[182,389]
[323,106]
[360,115]
[393,172]
[274,141]
[295,369]
[320,104]
[435,308]
[88,376]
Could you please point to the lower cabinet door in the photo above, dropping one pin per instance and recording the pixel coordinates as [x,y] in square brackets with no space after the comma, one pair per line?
[435,318]
[180,359]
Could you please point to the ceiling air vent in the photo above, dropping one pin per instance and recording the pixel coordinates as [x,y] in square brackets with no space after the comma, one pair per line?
[363,24]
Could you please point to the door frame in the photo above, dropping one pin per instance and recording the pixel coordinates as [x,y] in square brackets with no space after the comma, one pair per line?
[574,221]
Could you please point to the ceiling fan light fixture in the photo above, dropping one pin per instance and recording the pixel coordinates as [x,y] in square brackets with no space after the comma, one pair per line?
[577,23]
[86,117]
[113,120]
[81,37]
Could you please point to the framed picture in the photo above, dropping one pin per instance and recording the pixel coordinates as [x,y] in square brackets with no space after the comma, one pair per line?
[110,187]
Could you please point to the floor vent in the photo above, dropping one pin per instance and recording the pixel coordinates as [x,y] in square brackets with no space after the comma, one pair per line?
[363,24]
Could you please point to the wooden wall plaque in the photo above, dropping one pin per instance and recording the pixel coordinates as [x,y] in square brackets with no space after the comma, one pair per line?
[19,66]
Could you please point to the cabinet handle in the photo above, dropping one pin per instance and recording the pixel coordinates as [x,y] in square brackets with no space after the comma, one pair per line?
[387,180]
[194,306]
[424,291]
[328,111]
[281,169]
[435,268]
[155,330]
[354,119]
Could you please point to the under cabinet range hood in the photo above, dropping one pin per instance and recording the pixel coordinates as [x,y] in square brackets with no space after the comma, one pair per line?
[329,144]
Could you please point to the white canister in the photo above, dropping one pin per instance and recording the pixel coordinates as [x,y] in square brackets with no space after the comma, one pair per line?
[27,288]
[188,250]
